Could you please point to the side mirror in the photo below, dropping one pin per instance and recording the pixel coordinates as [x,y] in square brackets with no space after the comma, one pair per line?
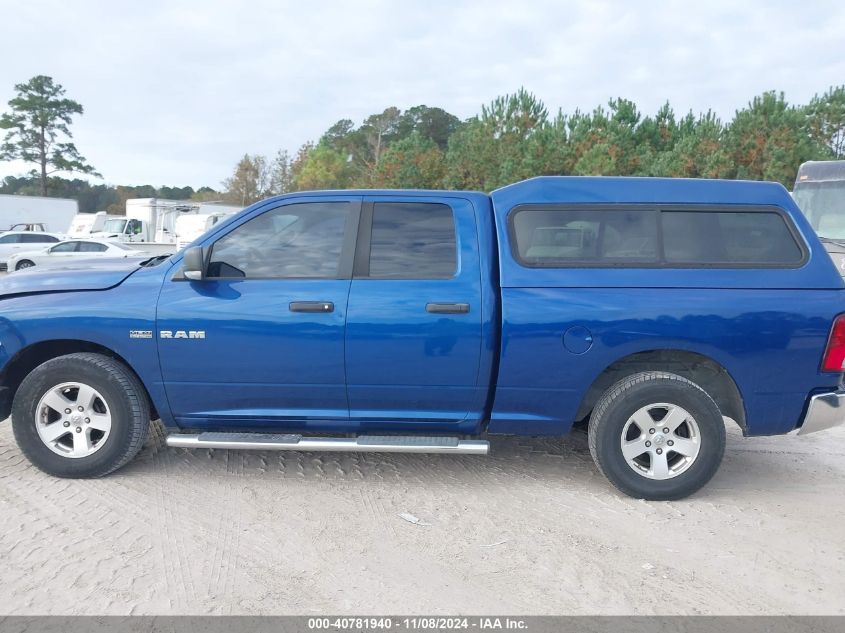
[193,263]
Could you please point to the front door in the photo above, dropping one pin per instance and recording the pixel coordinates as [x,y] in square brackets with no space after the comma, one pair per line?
[413,335]
[260,342]
[64,250]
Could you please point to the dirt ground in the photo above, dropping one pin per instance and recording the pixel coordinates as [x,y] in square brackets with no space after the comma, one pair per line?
[531,529]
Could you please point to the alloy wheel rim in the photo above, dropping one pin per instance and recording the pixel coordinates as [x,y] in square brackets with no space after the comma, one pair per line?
[660,441]
[73,420]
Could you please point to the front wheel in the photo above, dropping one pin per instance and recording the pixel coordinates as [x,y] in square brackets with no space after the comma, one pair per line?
[657,436]
[80,415]
[24,263]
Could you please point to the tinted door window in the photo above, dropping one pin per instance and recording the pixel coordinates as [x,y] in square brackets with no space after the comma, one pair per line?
[412,241]
[9,239]
[66,247]
[297,240]
[92,247]
[35,238]
[746,239]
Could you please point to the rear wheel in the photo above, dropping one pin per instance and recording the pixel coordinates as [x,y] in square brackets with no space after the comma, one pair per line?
[80,415]
[24,263]
[657,436]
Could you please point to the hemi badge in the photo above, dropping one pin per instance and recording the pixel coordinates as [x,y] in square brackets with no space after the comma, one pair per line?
[140,333]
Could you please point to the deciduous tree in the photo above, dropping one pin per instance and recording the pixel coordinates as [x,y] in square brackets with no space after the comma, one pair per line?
[414,162]
[379,130]
[434,124]
[281,173]
[322,167]
[250,181]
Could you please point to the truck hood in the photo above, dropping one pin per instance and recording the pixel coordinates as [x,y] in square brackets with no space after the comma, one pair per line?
[94,276]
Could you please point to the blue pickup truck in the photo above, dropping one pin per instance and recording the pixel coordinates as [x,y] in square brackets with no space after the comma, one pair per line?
[648,310]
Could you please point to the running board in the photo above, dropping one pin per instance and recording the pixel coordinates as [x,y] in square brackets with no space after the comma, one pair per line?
[360,444]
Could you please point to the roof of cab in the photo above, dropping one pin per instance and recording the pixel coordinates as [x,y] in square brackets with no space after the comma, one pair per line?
[411,193]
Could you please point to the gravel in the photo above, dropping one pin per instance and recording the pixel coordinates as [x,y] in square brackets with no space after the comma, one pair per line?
[531,529]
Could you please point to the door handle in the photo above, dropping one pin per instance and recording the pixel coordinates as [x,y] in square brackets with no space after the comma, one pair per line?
[447,308]
[311,306]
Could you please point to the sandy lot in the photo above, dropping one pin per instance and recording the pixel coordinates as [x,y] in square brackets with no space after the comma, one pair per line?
[531,529]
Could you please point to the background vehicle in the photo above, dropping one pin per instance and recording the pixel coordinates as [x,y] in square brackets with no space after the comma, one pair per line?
[151,222]
[33,227]
[85,224]
[820,193]
[54,214]
[12,242]
[190,226]
[147,220]
[71,250]
[421,321]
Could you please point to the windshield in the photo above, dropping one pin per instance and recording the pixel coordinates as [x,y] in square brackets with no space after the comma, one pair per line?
[114,226]
[824,205]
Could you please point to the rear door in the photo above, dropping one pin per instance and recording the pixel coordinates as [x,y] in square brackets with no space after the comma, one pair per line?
[93,249]
[413,334]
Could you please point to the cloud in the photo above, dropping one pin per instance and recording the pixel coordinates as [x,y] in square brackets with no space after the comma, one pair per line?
[175,92]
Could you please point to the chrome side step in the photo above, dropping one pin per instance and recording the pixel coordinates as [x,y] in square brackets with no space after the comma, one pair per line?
[360,444]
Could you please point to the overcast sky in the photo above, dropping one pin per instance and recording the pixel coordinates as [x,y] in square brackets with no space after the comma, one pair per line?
[174,93]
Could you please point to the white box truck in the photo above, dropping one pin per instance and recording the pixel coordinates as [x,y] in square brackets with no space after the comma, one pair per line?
[150,223]
[190,226]
[84,224]
[52,215]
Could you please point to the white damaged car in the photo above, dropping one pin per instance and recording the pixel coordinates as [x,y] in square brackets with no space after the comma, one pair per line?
[70,252]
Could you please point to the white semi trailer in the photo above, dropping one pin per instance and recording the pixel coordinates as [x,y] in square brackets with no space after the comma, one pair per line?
[53,215]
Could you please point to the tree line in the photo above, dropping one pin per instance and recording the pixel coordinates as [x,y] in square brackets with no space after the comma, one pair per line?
[512,138]
[100,197]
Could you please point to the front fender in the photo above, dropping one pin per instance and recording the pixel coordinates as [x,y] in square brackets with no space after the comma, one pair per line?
[120,319]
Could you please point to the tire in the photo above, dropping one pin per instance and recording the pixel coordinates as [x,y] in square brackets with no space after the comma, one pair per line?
[629,414]
[23,264]
[91,446]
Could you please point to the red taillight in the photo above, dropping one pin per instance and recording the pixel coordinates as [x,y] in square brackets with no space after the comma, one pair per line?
[834,354]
